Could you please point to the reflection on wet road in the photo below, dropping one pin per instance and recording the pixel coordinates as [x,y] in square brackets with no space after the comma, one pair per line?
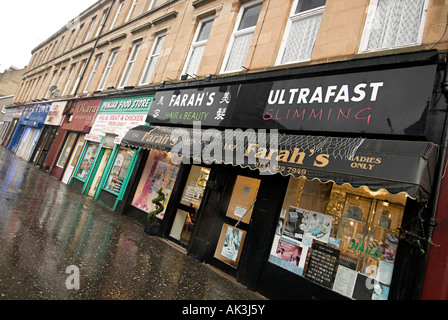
[46,227]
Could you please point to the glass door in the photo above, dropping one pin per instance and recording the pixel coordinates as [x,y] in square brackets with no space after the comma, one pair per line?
[187,212]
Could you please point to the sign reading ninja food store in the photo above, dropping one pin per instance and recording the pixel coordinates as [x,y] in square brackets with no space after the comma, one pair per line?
[393,101]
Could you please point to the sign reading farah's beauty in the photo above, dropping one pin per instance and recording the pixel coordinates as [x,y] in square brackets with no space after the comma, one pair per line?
[208,105]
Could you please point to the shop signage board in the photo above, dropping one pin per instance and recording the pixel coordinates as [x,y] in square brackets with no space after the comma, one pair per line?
[210,105]
[117,116]
[34,116]
[84,113]
[364,102]
[56,113]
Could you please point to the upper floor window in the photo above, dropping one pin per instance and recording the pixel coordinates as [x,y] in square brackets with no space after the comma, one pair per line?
[87,37]
[117,14]
[131,10]
[156,3]
[241,37]
[130,64]
[93,72]
[69,79]
[152,59]
[197,47]
[393,24]
[301,31]
[106,72]
[78,35]
[100,25]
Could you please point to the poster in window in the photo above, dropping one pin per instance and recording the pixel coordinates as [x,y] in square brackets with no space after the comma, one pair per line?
[306,225]
[243,196]
[288,254]
[230,245]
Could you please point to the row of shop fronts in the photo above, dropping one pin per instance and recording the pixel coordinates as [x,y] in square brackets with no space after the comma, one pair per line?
[298,183]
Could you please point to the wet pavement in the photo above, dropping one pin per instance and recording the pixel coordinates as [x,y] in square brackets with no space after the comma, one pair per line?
[45,228]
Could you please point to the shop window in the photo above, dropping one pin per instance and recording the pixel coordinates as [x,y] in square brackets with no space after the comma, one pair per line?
[241,37]
[197,47]
[152,59]
[340,237]
[87,161]
[393,24]
[119,170]
[159,172]
[301,31]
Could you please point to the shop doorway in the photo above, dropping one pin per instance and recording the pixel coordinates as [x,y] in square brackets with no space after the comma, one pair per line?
[98,172]
[187,212]
[44,144]
[233,222]
[28,143]
[70,166]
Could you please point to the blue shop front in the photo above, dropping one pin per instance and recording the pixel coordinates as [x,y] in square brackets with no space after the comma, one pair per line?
[28,130]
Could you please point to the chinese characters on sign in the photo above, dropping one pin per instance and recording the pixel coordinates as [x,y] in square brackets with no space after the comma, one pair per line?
[208,105]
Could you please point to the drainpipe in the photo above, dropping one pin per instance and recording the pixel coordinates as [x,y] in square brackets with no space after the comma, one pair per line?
[440,169]
[93,49]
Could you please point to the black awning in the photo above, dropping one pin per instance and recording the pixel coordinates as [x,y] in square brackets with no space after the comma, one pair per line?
[397,166]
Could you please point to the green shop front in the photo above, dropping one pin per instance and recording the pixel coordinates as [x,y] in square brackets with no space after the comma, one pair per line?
[104,166]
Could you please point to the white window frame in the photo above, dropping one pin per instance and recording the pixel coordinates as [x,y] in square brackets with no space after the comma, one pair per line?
[131,10]
[130,64]
[152,5]
[152,55]
[103,19]
[293,17]
[90,29]
[77,36]
[93,72]
[69,79]
[237,33]
[196,44]
[106,72]
[78,78]
[368,26]
[117,14]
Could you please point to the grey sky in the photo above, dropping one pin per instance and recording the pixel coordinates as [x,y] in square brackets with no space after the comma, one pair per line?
[24,24]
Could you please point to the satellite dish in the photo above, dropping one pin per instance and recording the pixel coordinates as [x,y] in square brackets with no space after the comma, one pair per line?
[52,89]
